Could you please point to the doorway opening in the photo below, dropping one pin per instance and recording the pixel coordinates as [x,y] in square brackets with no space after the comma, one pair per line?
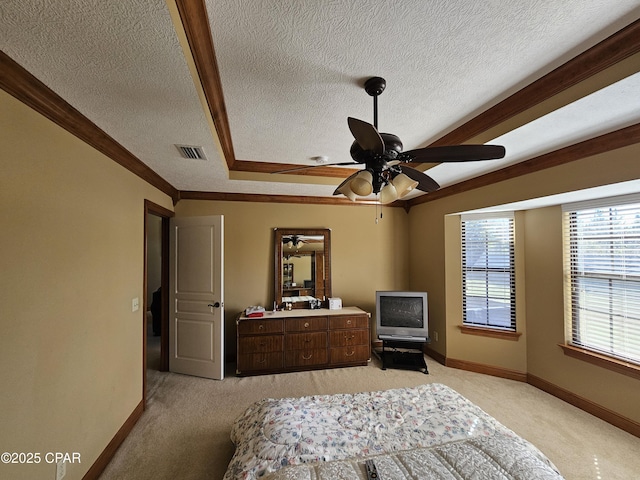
[155,348]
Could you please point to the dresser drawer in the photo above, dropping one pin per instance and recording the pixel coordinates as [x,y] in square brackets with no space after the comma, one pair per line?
[349,321]
[260,325]
[343,338]
[259,361]
[302,358]
[305,341]
[260,344]
[303,324]
[352,354]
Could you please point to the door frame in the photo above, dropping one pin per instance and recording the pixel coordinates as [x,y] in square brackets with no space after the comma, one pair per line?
[151,208]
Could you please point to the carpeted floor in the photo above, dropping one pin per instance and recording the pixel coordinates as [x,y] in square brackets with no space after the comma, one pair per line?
[184,433]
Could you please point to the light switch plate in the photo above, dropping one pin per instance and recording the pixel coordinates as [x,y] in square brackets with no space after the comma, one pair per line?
[135,304]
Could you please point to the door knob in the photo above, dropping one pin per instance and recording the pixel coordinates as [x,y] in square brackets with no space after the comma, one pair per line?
[214,305]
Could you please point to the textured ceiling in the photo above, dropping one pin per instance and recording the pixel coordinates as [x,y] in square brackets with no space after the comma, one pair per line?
[291,74]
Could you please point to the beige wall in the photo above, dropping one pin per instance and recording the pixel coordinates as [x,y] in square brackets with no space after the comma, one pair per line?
[509,354]
[71,261]
[545,310]
[435,263]
[365,256]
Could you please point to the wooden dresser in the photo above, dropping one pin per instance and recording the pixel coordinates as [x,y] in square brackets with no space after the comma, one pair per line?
[296,340]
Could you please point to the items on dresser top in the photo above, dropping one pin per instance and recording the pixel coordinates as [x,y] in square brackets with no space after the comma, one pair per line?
[335,303]
[254,311]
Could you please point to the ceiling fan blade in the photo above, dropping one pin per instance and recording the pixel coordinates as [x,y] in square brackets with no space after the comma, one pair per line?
[366,135]
[455,153]
[425,182]
[295,169]
[346,180]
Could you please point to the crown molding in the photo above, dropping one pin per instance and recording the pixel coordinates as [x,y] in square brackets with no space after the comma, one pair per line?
[594,146]
[263,198]
[311,170]
[195,21]
[22,85]
[612,50]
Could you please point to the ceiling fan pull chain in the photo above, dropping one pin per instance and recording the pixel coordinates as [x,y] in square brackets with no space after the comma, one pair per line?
[378,204]
[376,208]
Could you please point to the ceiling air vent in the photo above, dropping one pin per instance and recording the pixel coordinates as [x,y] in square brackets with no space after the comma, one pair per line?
[189,151]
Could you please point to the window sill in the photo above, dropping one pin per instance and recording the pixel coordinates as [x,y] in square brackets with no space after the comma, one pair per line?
[604,361]
[490,332]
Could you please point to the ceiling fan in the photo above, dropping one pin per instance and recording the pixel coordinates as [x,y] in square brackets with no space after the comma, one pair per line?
[299,241]
[385,169]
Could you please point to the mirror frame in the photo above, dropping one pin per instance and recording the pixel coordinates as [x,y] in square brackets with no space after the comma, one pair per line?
[279,233]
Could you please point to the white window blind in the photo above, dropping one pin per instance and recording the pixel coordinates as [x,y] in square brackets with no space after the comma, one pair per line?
[488,271]
[602,276]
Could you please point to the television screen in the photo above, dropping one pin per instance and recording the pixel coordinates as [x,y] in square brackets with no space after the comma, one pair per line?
[401,312]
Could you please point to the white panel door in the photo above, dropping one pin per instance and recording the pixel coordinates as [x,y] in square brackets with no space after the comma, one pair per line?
[197,297]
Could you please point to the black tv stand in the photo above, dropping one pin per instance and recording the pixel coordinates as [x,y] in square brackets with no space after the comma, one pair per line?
[407,358]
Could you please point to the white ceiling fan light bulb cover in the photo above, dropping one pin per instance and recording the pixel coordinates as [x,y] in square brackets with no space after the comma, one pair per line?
[290,244]
[388,194]
[362,185]
[403,184]
[347,192]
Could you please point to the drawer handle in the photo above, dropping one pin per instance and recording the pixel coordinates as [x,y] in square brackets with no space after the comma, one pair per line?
[260,327]
[263,344]
[304,357]
[348,322]
[349,338]
[350,354]
[264,360]
[306,324]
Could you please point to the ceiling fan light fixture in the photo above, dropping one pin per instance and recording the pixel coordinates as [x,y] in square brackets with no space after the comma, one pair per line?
[362,185]
[347,192]
[388,194]
[403,184]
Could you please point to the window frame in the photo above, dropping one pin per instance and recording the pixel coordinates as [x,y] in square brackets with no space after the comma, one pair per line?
[575,270]
[490,329]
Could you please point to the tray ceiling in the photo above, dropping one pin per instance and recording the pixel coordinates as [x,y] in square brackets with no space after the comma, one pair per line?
[291,73]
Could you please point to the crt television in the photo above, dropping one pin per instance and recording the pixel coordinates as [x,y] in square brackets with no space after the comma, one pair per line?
[402,315]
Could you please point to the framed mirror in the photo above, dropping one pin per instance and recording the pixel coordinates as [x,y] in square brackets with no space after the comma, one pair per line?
[302,266]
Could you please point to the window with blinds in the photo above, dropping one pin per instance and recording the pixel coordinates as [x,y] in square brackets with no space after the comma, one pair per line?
[488,271]
[602,276]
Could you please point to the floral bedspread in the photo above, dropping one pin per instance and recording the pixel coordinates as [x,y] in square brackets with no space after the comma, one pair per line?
[497,457]
[276,433]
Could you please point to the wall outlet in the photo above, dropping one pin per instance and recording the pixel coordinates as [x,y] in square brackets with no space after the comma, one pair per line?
[435,335]
[135,304]
[61,470]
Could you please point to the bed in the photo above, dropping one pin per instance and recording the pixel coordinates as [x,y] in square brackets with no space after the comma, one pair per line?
[429,431]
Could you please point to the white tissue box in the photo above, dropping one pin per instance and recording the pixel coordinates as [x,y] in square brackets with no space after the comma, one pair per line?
[335,303]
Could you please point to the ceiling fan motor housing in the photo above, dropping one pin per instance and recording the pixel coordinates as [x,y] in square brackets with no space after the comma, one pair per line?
[392,147]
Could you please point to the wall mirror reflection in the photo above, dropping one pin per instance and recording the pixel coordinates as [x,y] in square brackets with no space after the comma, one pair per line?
[302,266]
